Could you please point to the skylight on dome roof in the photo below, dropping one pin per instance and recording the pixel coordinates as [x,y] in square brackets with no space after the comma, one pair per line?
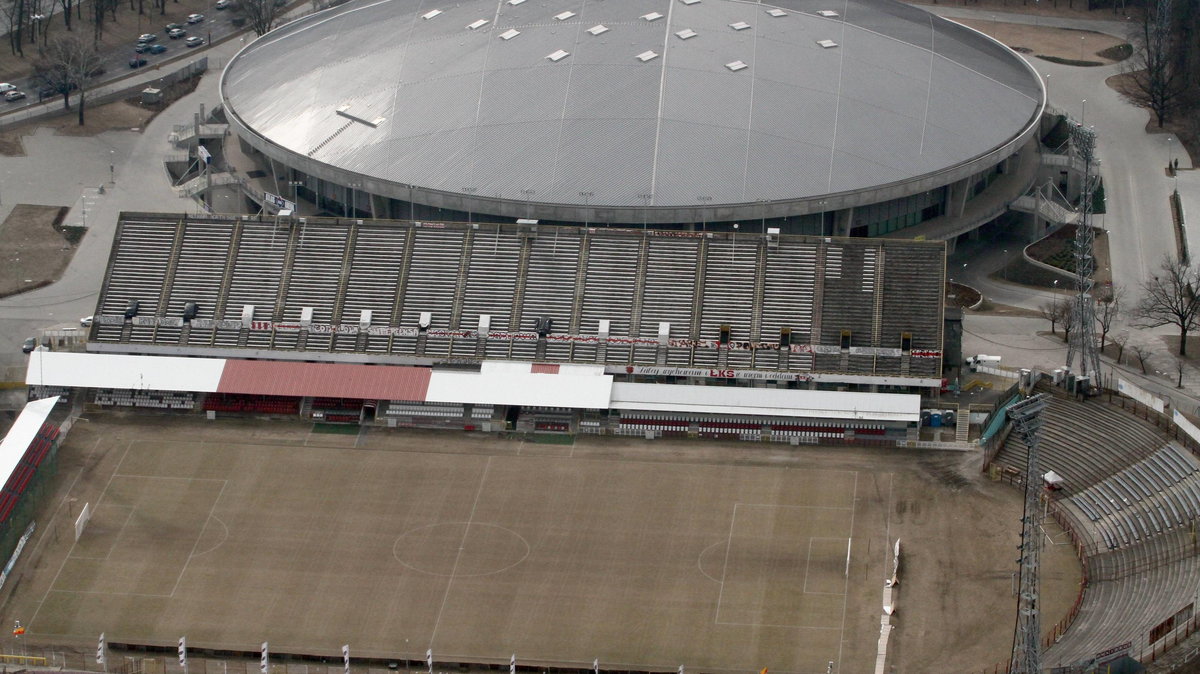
[476,25]
[828,13]
[564,16]
[827,44]
[652,16]
[558,55]
[647,56]
[736,66]
[515,2]
[686,33]
[777,13]
[429,15]
[689,2]
[509,34]
[739,25]
[598,29]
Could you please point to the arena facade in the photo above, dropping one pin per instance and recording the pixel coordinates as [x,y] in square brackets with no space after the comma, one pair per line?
[858,118]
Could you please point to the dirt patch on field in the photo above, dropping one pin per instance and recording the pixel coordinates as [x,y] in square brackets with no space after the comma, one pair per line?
[34,247]
[1059,44]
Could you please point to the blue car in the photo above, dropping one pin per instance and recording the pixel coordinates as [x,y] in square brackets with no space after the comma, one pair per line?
[156,49]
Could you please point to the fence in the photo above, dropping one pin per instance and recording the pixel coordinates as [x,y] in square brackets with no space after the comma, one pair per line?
[105,93]
[1098,566]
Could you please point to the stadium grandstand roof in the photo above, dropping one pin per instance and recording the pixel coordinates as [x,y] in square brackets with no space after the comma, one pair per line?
[23,432]
[491,384]
[630,103]
[633,301]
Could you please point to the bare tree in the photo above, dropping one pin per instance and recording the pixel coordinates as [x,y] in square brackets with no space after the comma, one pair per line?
[1152,70]
[1119,341]
[260,14]
[1141,352]
[1170,298]
[1057,310]
[1108,307]
[70,63]
[1179,372]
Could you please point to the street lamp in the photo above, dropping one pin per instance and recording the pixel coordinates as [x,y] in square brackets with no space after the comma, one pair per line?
[469,191]
[528,195]
[704,212]
[1083,113]
[1080,47]
[762,205]
[295,184]
[587,196]
[645,208]
[37,25]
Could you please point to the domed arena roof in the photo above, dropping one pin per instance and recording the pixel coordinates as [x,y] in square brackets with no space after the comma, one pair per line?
[632,103]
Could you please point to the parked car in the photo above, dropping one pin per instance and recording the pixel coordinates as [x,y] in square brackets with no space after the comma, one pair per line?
[156,49]
[172,26]
[14,95]
[137,62]
[176,33]
[147,37]
[47,92]
[5,86]
[194,41]
[29,345]
[195,18]
[223,4]
[141,48]
[86,321]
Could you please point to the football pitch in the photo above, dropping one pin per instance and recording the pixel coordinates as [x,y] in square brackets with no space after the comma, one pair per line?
[719,557]
[474,557]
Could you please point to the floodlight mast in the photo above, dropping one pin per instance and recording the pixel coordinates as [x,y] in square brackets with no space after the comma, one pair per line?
[1083,310]
[1026,653]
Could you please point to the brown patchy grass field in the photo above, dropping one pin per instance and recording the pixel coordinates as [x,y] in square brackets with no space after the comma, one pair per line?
[33,249]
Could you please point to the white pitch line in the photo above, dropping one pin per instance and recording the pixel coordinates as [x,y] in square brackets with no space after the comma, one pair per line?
[725,566]
[68,557]
[846,586]
[461,544]
[199,536]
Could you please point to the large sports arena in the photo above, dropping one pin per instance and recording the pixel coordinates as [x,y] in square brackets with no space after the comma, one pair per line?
[857,118]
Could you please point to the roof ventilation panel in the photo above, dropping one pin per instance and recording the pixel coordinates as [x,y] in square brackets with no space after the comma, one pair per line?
[736,66]
[430,14]
[828,13]
[652,16]
[476,25]
[563,16]
[777,12]
[558,55]
[686,33]
[739,25]
[598,29]
[509,34]
[689,2]
[827,44]
[515,2]
[647,56]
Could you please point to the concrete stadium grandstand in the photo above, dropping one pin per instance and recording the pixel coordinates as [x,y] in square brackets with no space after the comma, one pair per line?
[847,332]
[859,118]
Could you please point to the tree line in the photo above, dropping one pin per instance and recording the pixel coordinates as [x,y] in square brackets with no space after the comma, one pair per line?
[1164,71]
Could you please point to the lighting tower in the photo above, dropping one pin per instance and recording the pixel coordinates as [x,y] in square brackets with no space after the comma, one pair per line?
[1083,309]
[1026,653]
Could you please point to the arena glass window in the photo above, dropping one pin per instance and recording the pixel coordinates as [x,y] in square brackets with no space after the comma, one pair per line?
[845,341]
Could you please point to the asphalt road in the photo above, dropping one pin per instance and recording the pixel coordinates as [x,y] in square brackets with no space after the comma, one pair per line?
[215,26]
[1133,167]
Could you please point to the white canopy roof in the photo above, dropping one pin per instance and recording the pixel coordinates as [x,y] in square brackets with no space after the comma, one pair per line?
[23,431]
[514,388]
[153,373]
[766,402]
